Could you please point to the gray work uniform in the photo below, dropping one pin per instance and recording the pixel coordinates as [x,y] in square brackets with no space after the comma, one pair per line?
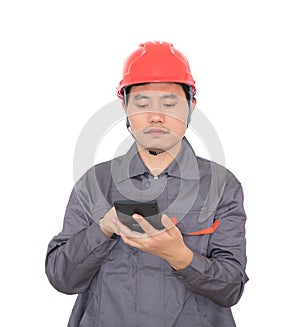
[121,286]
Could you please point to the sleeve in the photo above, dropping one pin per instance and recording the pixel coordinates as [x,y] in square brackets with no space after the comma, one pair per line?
[220,276]
[75,255]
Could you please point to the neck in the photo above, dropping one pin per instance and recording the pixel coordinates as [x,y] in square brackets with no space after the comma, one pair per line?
[159,162]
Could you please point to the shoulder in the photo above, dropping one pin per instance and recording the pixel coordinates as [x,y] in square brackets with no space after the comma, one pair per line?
[101,172]
[214,169]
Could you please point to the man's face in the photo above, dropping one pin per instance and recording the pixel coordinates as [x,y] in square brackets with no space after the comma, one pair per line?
[158,114]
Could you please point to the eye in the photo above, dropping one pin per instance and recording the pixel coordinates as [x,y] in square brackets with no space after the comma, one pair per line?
[142,106]
[169,105]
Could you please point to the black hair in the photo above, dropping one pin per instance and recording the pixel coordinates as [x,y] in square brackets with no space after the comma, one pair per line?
[187,91]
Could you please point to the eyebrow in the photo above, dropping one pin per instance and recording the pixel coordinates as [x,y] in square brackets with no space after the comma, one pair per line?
[165,96]
[169,96]
[140,96]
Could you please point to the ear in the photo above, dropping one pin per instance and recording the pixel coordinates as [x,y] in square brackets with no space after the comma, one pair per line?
[123,105]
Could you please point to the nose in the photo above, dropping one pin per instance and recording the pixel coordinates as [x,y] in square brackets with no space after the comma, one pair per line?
[156,117]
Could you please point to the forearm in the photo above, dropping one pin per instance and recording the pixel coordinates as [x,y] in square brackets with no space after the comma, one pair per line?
[221,281]
[72,263]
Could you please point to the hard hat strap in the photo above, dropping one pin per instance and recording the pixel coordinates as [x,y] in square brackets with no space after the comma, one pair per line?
[190,102]
[125,105]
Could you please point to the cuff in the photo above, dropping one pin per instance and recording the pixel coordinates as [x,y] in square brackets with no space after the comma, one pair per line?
[93,240]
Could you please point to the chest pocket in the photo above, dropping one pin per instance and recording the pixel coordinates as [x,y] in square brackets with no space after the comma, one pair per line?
[195,231]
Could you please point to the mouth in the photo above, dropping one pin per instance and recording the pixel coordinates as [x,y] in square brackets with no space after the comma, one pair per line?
[155,131]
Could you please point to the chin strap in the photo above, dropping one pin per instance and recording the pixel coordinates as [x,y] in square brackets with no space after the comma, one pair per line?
[155,153]
[191,92]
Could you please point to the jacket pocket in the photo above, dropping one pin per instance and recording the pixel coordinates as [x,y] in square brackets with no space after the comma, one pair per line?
[196,232]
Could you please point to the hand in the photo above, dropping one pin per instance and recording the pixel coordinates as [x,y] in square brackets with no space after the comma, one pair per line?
[108,224]
[167,244]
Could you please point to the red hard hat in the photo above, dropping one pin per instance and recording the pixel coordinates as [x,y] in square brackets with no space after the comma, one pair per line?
[156,62]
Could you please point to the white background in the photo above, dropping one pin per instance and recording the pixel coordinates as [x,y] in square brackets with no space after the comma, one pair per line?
[62,60]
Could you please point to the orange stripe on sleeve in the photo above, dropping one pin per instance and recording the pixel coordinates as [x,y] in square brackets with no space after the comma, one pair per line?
[204,231]
[208,230]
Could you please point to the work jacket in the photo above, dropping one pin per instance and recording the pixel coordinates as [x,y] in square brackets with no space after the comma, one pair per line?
[121,286]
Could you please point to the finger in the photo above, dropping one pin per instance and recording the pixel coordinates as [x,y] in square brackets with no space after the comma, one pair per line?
[174,220]
[169,223]
[124,230]
[166,221]
[145,225]
[112,214]
[130,241]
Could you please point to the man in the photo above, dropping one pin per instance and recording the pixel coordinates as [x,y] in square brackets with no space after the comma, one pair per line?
[191,272]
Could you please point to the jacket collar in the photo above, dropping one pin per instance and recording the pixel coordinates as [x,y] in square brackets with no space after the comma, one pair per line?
[184,166]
